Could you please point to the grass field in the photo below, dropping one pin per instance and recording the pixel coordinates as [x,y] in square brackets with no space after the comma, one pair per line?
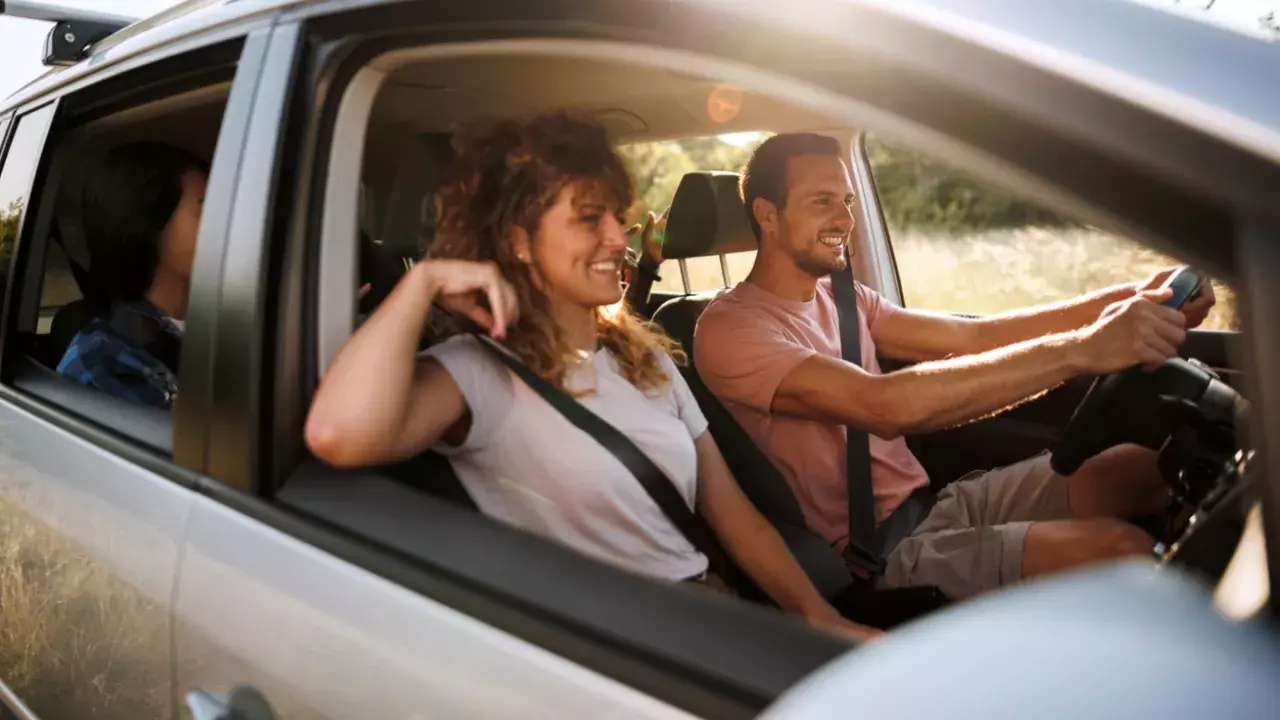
[996,270]
[76,641]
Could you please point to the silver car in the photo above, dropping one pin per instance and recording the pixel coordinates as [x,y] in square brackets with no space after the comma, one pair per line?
[201,564]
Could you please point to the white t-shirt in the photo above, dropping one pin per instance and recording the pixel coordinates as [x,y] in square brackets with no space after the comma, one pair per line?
[527,465]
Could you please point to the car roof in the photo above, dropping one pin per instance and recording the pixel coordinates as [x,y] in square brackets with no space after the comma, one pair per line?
[1218,82]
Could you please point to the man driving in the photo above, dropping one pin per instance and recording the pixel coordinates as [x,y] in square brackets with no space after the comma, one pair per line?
[770,350]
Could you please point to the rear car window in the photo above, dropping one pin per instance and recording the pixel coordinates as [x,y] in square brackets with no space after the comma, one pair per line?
[658,168]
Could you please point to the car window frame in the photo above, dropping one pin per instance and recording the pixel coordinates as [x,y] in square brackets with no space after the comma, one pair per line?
[29,218]
[122,86]
[6,120]
[626,654]
[884,270]
[880,265]
[957,133]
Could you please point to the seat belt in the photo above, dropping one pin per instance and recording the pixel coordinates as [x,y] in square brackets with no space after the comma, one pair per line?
[145,333]
[864,549]
[654,481]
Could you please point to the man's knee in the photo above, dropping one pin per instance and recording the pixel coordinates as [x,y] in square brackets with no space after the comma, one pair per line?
[1123,481]
[1059,545]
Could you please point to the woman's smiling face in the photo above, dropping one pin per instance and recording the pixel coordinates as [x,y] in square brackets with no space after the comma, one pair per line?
[579,248]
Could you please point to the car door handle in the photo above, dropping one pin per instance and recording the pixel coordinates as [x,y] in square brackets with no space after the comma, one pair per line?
[242,703]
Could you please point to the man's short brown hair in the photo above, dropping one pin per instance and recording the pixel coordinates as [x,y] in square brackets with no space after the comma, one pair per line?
[766,173]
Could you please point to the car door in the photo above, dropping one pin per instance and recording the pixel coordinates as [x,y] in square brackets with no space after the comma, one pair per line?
[92,506]
[951,243]
[320,622]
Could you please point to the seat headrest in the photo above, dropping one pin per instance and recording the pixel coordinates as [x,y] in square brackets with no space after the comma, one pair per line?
[707,217]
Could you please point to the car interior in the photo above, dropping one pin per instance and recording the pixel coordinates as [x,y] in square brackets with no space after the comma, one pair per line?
[421,104]
[407,144]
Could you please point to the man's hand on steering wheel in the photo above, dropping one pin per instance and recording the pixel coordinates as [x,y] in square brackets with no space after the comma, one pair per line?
[1137,331]
[1195,310]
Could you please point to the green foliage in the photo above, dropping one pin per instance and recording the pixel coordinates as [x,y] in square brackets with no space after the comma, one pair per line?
[916,192]
[9,218]
[9,222]
[658,166]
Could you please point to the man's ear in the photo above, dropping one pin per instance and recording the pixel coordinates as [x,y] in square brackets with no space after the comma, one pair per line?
[522,244]
[766,214]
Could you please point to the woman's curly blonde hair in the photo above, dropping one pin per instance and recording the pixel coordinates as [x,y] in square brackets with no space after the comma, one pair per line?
[509,174]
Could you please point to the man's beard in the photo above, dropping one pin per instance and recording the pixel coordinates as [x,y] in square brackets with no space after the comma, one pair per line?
[819,264]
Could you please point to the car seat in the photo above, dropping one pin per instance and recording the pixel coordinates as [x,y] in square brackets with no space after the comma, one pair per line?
[708,218]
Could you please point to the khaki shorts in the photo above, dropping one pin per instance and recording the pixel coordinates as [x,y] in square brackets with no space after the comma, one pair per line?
[972,540]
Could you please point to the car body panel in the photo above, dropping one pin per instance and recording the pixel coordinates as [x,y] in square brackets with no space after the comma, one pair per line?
[318,636]
[1063,35]
[326,639]
[90,552]
[1177,69]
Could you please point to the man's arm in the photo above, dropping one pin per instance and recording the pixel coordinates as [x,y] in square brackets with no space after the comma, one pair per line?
[945,393]
[916,335]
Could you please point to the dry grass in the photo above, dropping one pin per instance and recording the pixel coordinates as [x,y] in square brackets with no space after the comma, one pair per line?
[75,641]
[995,270]
[1004,270]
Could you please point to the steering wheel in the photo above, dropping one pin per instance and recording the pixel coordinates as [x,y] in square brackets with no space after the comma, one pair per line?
[1132,406]
[1136,406]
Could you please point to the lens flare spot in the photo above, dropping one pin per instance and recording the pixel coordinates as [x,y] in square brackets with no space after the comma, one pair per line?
[724,104]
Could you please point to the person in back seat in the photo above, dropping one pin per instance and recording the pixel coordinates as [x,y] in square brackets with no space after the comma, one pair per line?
[770,351]
[141,214]
[530,249]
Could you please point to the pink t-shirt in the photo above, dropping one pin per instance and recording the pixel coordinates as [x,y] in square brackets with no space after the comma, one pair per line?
[748,340]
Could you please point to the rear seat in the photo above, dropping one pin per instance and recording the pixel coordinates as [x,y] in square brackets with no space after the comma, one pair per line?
[708,219]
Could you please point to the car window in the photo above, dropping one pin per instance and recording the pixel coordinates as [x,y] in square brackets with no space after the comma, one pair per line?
[386,152]
[59,288]
[962,246]
[658,168]
[110,191]
[15,179]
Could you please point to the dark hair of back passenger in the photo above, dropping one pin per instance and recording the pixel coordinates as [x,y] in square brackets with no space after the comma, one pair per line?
[129,195]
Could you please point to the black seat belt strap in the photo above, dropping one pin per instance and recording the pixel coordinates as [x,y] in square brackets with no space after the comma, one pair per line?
[146,334]
[654,481]
[864,549]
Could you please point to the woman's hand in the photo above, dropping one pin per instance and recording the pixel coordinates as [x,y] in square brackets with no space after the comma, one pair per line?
[654,229]
[476,290]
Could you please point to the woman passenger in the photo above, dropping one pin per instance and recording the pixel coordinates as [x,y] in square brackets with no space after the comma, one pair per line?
[530,249]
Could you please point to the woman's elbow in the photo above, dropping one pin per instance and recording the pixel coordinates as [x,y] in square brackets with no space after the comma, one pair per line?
[330,443]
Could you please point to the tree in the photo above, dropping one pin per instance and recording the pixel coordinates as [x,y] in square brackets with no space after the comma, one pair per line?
[9,219]
[658,167]
[916,191]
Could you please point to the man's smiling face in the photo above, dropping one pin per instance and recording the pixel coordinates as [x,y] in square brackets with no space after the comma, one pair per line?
[817,218]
